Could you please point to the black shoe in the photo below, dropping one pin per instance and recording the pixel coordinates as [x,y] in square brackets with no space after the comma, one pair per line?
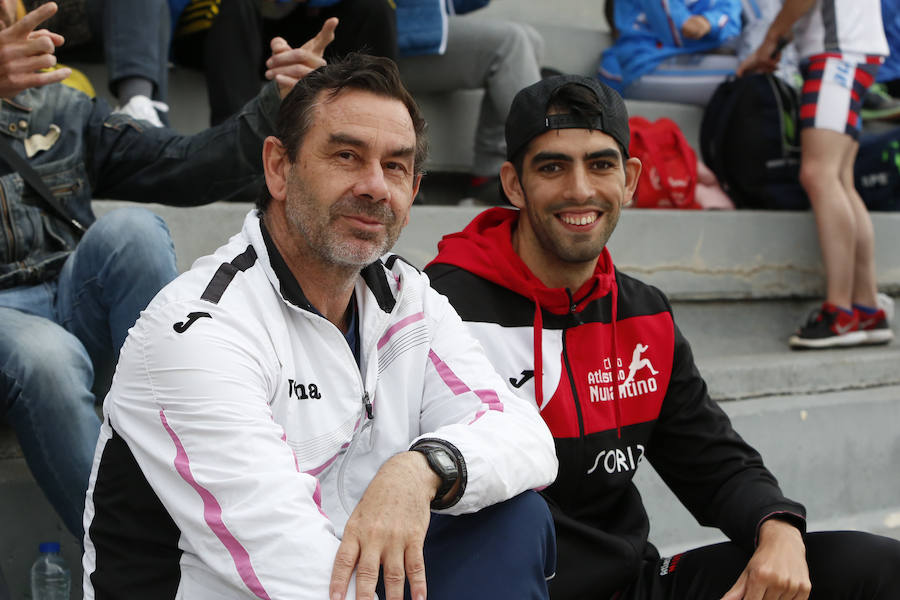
[875,327]
[828,327]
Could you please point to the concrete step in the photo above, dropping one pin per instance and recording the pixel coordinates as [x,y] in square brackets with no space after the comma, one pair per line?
[741,350]
[699,255]
[789,372]
[26,520]
[836,452]
[741,283]
[690,255]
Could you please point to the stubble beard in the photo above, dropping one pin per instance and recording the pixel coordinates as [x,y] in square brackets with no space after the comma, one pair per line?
[559,247]
[321,235]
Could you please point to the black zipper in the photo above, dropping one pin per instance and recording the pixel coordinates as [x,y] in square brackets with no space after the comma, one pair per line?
[572,384]
[565,349]
[370,410]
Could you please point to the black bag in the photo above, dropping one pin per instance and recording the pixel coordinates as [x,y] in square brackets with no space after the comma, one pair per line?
[877,170]
[749,138]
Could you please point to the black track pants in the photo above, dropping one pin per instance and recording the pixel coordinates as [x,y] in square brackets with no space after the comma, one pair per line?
[843,565]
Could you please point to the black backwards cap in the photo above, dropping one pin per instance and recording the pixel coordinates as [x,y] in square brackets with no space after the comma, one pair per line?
[528,114]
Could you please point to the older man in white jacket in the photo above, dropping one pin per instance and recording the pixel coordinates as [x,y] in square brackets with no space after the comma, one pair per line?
[286,414]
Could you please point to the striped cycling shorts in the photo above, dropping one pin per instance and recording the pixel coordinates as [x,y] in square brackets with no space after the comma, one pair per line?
[833,88]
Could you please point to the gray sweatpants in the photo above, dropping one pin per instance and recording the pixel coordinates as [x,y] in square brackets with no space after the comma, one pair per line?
[500,56]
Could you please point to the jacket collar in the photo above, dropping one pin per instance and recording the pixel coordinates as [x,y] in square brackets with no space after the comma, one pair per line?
[374,275]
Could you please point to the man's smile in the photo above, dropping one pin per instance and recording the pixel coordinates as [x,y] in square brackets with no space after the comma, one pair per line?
[580,218]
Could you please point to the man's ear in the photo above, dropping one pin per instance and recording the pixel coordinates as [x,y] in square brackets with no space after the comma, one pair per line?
[512,187]
[275,166]
[632,174]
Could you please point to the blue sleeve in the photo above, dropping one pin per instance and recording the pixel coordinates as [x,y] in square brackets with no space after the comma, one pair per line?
[724,17]
[664,19]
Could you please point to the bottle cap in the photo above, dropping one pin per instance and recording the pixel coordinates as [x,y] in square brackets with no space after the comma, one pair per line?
[49,547]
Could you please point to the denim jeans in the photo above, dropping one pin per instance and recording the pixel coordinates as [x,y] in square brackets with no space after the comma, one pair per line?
[136,36]
[56,335]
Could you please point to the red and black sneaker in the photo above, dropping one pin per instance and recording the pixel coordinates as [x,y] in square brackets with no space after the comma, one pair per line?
[875,327]
[828,327]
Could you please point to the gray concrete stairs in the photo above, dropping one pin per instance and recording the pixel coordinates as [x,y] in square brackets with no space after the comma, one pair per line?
[739,282]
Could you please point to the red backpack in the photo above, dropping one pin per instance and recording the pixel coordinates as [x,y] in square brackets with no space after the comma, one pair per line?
[669,171]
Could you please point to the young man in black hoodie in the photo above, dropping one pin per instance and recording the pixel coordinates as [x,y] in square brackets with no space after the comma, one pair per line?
[615,380]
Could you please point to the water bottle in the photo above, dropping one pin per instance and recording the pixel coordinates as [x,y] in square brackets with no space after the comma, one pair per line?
[50,579]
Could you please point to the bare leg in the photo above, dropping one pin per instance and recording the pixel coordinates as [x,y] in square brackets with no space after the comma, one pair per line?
[824,155]
[865,286]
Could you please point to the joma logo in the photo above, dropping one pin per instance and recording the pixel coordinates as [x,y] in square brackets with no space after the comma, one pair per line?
[182,326]
[303,391]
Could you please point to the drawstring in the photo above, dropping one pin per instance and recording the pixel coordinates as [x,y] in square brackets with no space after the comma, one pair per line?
[614,292]
[538,342]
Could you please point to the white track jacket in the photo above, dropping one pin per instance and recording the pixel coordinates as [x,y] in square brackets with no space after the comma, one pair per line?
[236,440]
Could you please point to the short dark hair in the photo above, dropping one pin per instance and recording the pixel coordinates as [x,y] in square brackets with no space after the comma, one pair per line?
[569,99]
[355,71]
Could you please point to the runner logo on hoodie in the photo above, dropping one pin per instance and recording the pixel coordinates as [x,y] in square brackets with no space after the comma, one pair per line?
[628,388]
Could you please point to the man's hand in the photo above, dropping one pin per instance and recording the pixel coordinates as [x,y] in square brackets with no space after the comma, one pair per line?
[695,27]
[288,65]
[764,59]
[778,569]
[24,52]
[387,529]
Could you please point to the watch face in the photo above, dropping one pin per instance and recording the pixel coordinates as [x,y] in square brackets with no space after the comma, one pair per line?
[444,460]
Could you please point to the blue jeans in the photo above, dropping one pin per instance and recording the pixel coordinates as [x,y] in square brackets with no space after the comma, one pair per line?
[136,36]
[56,335]
[507,550]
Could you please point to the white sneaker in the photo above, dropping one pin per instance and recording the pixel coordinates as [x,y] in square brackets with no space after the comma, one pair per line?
[143,108]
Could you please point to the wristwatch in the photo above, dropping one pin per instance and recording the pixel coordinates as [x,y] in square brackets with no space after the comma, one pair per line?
[447,463]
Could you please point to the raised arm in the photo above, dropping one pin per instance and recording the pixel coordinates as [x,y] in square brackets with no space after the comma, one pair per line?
[766,57]
[224,162]
[288,65]
[25,51]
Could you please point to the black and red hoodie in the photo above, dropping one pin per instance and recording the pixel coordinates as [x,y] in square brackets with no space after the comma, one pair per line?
[617,384]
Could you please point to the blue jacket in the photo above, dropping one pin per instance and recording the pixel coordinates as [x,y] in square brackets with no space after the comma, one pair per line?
[422,24]
[650,32]
[97,154]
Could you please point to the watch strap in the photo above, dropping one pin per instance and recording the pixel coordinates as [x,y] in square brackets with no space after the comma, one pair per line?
[439,502]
